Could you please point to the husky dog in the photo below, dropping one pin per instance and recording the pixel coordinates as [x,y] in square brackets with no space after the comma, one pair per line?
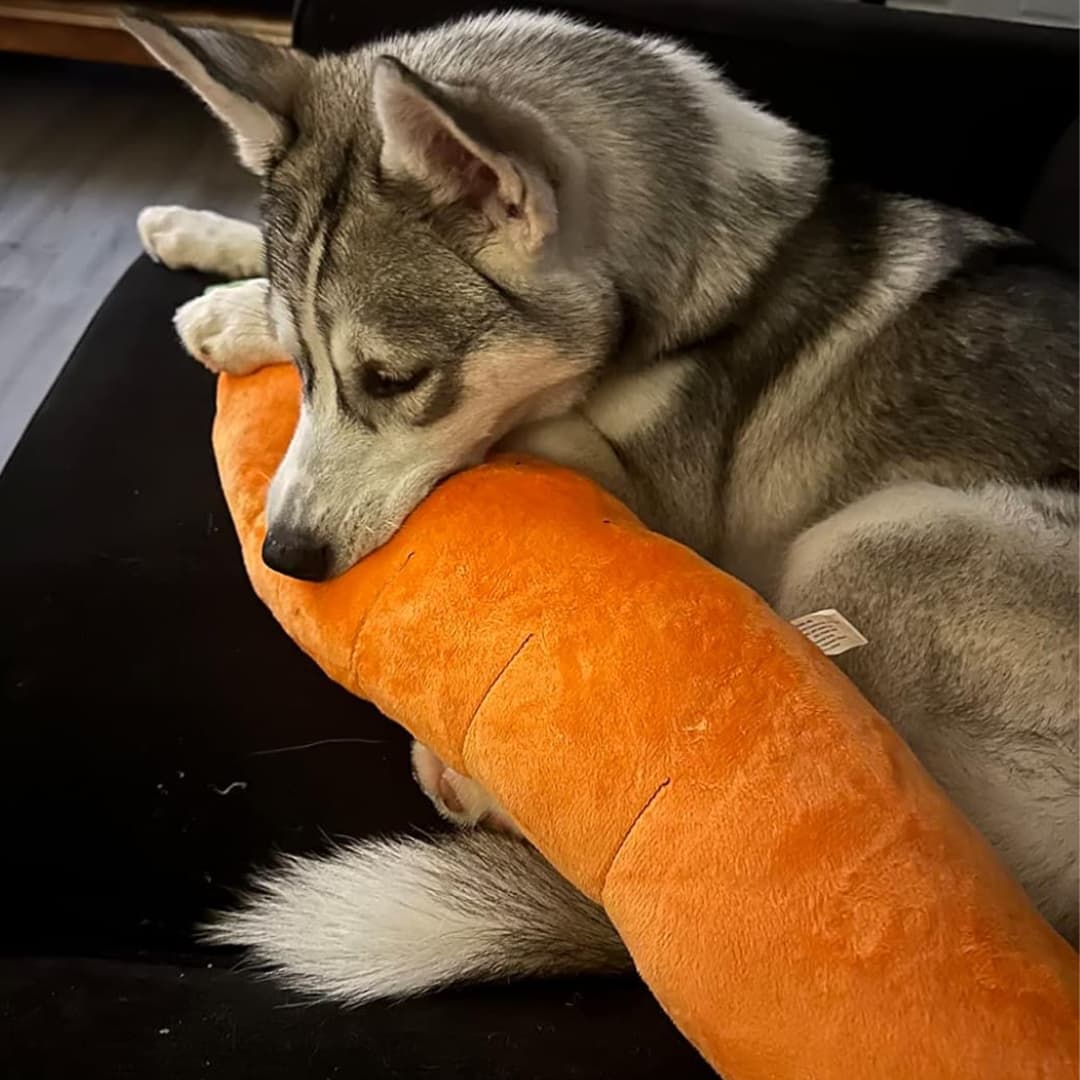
[519,229]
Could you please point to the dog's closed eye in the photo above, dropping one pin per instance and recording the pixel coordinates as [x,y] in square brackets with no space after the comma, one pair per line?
[379,383]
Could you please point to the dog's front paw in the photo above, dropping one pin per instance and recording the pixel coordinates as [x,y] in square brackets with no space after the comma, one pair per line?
[227,328]
[185,239]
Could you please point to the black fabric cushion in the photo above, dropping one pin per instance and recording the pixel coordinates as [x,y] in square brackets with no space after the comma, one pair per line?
[161,735]
[1052,216]
[101,1019]
[957,109]
[141,675]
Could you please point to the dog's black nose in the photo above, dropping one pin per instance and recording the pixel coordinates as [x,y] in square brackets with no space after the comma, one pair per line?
[296,555]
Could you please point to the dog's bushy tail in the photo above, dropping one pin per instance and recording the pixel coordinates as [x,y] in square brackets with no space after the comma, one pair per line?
[394,918]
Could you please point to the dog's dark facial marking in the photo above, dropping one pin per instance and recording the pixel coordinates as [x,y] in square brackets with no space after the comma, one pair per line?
[378,383]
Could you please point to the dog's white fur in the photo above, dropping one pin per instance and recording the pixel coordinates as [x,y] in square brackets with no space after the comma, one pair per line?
[224,329]
[625,406]
[184,239]
[227,329]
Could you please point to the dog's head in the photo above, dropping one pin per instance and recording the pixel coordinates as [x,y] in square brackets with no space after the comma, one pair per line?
[427,275]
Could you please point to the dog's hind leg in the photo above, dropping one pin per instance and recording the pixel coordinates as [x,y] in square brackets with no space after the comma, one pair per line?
[201,240]
[459,799]
[968,600]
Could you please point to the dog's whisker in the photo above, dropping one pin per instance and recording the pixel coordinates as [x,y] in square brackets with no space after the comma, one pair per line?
[314,745]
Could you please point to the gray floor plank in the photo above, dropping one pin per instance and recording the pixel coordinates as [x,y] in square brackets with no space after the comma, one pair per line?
[82,150]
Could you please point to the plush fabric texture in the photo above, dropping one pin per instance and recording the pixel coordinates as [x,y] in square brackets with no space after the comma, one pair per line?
[797,892]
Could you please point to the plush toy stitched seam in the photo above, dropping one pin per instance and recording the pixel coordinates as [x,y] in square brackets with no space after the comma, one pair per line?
[487,693]
[371,609]
[660,789]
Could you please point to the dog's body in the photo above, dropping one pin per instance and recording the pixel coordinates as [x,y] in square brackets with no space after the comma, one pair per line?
[589,247]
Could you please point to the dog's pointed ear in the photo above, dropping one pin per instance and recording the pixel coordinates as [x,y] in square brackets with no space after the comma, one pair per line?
[453,142]
[249,84]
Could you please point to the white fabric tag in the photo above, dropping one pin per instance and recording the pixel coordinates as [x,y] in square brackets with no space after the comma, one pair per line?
[829,631]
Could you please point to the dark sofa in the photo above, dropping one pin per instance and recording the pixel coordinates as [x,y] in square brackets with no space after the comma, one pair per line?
[161,735]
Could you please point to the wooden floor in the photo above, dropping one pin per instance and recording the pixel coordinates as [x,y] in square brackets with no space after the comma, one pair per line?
[82,149]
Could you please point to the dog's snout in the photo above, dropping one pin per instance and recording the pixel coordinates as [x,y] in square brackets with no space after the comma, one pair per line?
[296,555]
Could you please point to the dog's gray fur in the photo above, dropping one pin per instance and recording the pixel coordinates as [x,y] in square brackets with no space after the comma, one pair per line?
[589,246]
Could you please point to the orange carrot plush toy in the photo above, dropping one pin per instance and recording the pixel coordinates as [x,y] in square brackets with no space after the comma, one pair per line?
[799,895]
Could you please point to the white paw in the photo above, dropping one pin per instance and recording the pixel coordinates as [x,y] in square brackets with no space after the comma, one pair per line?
[227,329]
[457,798]
[201,240]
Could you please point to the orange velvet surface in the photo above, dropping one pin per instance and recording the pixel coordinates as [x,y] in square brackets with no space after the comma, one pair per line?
[797,892]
